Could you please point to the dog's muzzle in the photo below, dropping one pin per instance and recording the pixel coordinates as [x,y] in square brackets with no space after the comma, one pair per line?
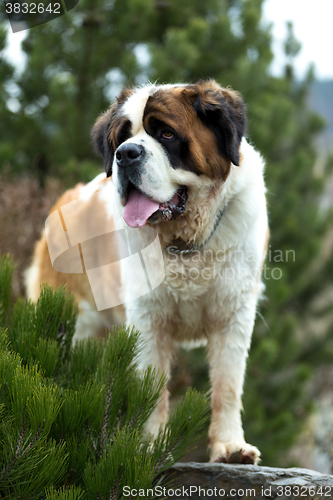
[139,207]
[130,159]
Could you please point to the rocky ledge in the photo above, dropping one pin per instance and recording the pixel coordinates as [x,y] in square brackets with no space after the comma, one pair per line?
[228,481]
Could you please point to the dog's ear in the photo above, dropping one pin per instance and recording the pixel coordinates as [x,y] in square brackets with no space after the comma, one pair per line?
[223,112]
[102,141]
[102,130]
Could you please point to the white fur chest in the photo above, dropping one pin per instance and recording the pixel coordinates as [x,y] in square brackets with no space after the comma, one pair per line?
[190,276]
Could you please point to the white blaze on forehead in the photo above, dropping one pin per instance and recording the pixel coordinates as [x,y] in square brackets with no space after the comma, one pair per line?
[134,107]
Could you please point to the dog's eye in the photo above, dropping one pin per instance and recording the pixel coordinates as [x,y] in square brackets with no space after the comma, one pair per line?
[166,134]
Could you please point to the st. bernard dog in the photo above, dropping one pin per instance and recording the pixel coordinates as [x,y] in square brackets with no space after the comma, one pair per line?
[180,166]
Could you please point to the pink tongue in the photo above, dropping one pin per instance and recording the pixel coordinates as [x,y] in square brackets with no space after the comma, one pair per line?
[138,209]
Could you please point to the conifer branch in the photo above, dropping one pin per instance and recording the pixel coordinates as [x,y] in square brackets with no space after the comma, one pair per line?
[35,439]
[6,470]
[106,418]
[116,484]
[136,416]
[61,333]
[3,389]
[98,388]
[91,437]
[166,455]
[49,320]
[20,438]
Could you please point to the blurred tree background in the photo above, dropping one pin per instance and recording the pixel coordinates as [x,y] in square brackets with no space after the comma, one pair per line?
[79,62]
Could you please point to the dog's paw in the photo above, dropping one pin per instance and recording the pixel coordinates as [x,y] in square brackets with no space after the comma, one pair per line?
[234,453]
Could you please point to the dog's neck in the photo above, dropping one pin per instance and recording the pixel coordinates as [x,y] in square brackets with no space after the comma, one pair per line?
[179,246]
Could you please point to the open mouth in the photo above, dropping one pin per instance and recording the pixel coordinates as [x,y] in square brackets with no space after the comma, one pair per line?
[140,209]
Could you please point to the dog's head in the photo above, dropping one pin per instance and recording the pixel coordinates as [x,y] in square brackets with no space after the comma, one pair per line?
[160,143]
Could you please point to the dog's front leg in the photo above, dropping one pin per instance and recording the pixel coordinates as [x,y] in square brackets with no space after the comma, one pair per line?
[157,349]
[227,352]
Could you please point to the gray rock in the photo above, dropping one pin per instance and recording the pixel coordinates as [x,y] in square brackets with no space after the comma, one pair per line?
[228,481]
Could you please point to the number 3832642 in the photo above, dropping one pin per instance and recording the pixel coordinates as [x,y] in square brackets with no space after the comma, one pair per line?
[32,8]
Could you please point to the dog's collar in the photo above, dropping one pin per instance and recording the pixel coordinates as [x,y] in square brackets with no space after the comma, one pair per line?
[180,247]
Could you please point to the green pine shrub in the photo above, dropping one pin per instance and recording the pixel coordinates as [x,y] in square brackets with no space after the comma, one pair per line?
[72,416]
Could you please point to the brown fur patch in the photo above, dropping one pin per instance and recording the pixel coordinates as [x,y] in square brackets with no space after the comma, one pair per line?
[178,107]
[221,110]
[173,108]
[77,283]
[120,131]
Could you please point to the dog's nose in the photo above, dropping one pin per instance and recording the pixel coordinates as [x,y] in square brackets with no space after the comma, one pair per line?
[128,153]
